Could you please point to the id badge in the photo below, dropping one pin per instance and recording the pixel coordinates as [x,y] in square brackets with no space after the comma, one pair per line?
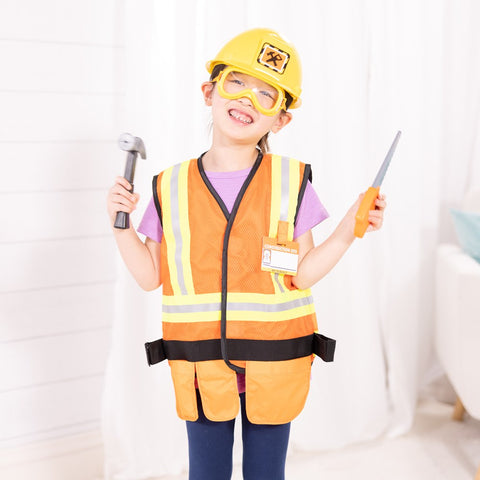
[279,258]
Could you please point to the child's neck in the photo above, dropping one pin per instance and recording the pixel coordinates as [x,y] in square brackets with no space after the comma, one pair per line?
[228,159]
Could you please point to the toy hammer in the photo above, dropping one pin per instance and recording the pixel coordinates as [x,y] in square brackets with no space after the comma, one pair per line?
[134,146]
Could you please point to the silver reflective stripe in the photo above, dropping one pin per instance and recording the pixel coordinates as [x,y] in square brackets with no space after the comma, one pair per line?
[200,307]
[285,195]
[175,213]
[277,281]
[240,307]
[275,307]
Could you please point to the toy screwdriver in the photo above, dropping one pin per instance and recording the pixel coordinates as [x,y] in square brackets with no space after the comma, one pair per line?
[368,201]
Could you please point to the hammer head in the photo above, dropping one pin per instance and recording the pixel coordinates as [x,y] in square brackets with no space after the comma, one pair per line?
[130,143]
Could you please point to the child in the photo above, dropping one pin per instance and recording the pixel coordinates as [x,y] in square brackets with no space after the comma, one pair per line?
[228,236]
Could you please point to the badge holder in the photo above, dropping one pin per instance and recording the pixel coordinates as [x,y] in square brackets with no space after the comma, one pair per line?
[280,255]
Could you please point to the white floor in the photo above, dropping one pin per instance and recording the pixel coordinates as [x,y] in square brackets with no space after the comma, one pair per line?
[437,448]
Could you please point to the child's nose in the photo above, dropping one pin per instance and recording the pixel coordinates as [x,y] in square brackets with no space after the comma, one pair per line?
[246,101]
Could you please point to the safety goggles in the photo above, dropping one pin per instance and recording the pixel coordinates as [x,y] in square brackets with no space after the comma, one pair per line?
[266,98]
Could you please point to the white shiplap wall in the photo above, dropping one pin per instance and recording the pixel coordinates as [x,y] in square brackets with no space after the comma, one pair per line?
[61,98]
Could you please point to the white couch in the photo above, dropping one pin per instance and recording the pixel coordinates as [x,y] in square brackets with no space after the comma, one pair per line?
[457,326]
[458,323]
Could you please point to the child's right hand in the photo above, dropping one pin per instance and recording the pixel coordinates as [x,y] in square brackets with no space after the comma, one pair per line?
[119,199]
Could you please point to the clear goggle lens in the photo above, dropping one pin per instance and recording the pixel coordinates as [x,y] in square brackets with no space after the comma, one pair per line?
[266,98]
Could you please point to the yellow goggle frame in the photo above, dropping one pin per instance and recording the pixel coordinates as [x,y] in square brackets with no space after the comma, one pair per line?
[279,104]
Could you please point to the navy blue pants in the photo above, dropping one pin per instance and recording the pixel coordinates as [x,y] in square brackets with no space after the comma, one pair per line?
[210,447]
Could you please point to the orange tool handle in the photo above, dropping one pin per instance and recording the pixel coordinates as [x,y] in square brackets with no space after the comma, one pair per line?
[367,204]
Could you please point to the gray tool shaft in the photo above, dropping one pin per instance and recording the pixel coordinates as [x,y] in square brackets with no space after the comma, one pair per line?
[386,163]
[130,166]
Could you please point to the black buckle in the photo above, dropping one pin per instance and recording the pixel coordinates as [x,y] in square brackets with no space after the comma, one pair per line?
[324,347]
[155,352]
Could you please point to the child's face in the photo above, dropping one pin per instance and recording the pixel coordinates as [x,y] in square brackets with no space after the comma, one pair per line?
[240,116]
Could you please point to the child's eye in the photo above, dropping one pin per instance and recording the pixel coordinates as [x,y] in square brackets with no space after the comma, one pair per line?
[237,81]
[267,94]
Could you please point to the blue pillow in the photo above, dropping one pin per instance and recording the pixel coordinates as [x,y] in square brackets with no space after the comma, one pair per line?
[467,226]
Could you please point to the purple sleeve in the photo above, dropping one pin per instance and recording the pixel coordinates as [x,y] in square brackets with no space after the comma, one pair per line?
[310,213]
[150,225]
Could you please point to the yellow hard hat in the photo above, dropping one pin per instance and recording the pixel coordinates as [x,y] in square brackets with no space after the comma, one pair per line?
[262,53]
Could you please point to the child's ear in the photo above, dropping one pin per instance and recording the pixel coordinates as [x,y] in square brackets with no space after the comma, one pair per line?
[207,90]
[283,120]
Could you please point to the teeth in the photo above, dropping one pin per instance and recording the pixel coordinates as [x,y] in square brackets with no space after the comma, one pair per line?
[243,118]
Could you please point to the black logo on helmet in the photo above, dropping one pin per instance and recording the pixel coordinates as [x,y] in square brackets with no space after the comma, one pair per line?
[274,58]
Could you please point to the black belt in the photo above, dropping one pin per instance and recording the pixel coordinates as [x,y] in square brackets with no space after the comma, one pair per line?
[239,349]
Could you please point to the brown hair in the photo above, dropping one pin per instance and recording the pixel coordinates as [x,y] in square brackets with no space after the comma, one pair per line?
[263,142]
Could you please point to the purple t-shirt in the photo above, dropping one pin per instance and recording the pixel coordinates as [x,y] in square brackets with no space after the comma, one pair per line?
[227,185]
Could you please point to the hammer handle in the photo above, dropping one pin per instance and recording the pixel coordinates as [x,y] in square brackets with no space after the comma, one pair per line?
[130,164]
[122,220]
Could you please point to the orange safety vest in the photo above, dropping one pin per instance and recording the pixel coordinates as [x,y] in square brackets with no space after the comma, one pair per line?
[221,313]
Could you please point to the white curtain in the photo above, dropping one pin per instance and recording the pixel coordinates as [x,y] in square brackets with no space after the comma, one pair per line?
[371,67]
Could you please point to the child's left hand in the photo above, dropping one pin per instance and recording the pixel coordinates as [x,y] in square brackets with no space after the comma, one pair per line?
[347,225]
[375,217]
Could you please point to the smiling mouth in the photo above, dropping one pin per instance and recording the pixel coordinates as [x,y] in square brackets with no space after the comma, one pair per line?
[241,117]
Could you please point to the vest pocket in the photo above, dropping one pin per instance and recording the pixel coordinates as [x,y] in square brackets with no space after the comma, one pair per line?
[276,391]
[218,389]
[183,375]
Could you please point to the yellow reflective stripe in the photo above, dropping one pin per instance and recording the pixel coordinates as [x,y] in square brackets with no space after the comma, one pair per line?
[276,195]
[240,306]
[185,227]
[168,231]
[191,317]
[268,298]
[271,316]
[275,206]
[293,195]
[285,196]
[237,297]
[239,315]
[192,299]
